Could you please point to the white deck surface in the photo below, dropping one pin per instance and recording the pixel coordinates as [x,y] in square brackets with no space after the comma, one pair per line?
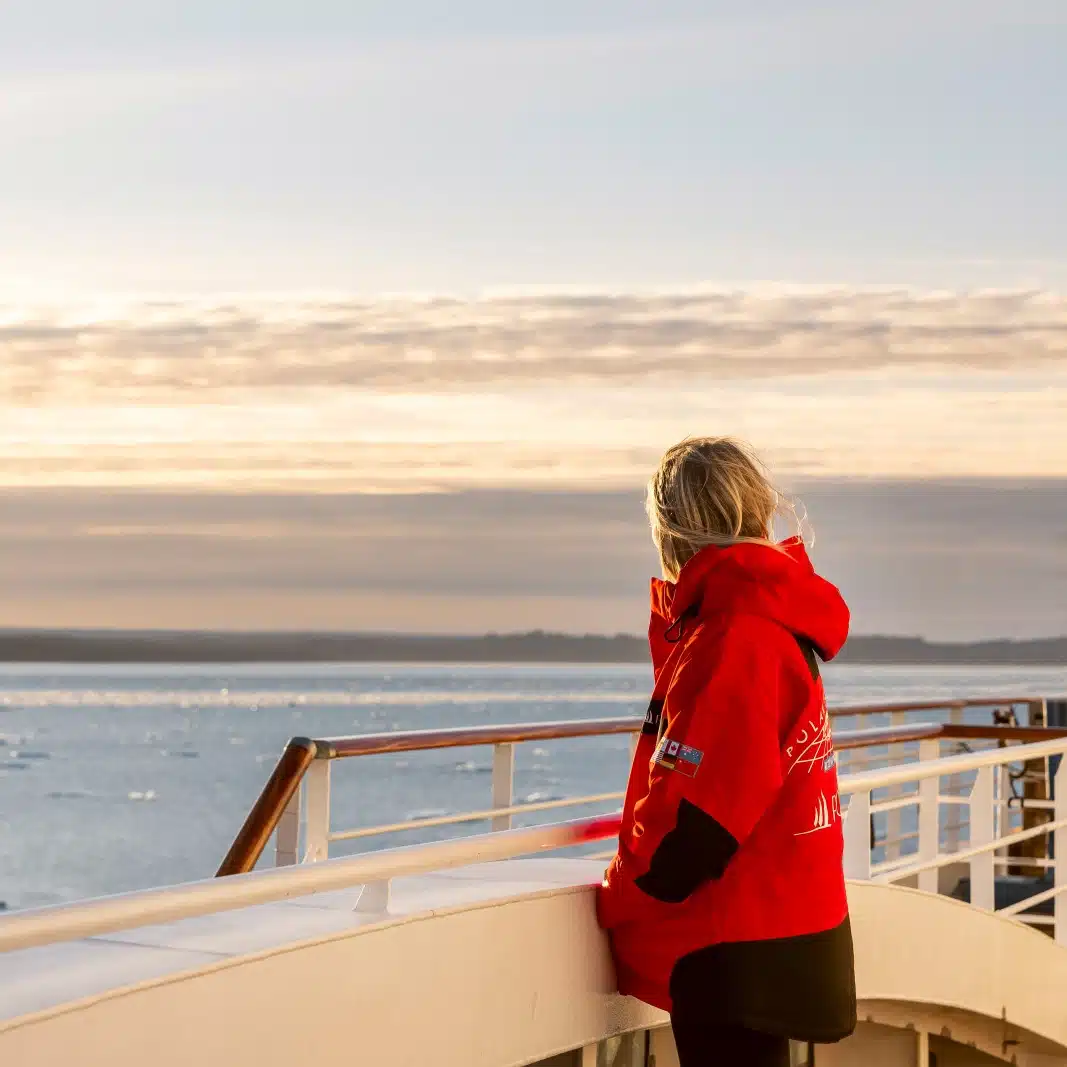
[35,979]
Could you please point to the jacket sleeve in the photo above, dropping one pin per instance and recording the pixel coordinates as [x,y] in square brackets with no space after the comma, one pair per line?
[717,768]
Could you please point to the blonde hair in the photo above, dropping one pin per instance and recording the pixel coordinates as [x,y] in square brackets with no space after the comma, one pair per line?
[711,491]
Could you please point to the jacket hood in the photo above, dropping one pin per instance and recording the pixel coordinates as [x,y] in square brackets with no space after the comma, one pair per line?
[753,579]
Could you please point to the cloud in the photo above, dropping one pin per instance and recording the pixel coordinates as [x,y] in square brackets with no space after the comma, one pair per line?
[531,389]
[160,352]
[946,560]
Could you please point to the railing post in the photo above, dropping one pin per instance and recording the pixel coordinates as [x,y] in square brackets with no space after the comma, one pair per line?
[981,820]
[922,1048]
[894,823]
[954,785]
[1003,827]
[1035,786]
[374,898]
[858,837]
[1059,848]
[287,839]
[317,812]
[262,821]
[929,821]
[503,783]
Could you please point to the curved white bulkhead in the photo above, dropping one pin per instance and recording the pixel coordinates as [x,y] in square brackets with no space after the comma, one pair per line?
[489,966]
[457,953]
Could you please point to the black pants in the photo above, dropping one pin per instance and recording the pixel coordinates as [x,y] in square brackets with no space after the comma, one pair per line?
[703,1045]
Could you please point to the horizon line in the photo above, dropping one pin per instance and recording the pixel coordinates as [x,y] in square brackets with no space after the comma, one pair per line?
[405,635]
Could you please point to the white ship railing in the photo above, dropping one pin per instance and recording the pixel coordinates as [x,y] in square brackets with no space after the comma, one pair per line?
[373,870]
[978,784]
[989,833]
[295,801]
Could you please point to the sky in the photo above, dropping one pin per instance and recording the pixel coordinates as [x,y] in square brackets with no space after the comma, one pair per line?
[949,561]
[263,269]
[436,146]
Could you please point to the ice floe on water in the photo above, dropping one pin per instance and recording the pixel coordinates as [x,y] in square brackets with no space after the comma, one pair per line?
[422,814]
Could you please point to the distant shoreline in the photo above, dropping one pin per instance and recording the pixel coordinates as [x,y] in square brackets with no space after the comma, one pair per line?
[161,647]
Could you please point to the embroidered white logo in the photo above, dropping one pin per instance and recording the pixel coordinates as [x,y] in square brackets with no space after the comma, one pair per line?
[827,812]
[814,745]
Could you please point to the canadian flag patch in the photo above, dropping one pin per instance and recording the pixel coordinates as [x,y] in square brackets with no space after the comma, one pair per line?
[674,756]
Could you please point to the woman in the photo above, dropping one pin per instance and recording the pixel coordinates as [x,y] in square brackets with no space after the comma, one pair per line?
[726,900]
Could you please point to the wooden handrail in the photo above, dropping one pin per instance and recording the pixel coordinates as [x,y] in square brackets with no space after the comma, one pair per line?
[298,755]
[945,731]
[961,731]
[103,915]
[847,711]
[465,737]
[887,735]
[514,733]
[262,820]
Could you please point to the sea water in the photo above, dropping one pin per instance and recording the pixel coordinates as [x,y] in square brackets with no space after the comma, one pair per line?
[115,778]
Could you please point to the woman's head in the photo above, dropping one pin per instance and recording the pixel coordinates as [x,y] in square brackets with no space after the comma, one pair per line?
[708,491]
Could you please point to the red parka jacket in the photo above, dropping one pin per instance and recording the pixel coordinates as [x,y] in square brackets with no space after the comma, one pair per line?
[729,869]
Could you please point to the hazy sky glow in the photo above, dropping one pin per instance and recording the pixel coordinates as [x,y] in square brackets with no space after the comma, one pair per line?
[449,146]
[538,390]
[947,561]
[835,229]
